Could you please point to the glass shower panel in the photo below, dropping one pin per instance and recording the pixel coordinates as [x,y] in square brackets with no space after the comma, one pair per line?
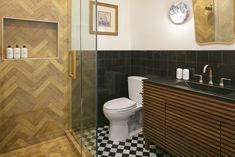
[89,77]
[83,95]
[75,60]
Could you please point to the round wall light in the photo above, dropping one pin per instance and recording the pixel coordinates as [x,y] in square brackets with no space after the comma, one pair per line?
[179,12]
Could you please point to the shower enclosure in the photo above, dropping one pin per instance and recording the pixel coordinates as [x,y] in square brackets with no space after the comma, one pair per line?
[52,92]
[82,72]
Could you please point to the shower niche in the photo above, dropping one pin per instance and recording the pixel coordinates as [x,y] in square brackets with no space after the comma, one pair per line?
[39,36]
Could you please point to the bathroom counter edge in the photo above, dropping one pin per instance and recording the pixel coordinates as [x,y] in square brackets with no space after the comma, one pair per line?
[172,83]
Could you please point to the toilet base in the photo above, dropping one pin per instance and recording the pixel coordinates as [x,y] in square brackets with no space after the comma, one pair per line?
[135,132]
[118,131]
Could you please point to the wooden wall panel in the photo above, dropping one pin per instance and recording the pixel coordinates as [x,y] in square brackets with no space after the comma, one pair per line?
[33,93]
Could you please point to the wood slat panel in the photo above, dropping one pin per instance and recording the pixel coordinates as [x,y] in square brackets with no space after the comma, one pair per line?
[157,125]
[200,98]
[200,120]
[191,144]
[214,108]
[228,139]
[154,134]
[190,125]
[204,125]
[219,114]
[207,141]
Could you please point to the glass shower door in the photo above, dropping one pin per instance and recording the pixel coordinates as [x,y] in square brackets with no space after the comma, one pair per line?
[82,65]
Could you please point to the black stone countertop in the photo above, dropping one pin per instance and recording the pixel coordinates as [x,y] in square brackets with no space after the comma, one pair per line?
[174,83]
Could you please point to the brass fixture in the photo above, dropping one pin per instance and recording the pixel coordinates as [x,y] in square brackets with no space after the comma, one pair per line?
[221,84]
[200,78]
[210,73]
[210,7]
[73,64]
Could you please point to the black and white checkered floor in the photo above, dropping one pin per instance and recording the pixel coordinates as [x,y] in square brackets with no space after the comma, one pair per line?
[133,147]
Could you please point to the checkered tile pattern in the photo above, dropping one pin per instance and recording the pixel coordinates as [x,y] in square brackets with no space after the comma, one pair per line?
[89,140]
[133,147]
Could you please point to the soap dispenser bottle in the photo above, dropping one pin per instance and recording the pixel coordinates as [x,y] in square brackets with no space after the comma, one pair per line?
[186,74]
[24,52]
[9,54]
[179,73]
[17,52]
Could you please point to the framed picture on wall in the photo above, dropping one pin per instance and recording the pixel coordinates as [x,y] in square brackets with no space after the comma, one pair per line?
[107,19]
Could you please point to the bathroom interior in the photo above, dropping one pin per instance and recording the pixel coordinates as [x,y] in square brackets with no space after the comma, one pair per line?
[117,78]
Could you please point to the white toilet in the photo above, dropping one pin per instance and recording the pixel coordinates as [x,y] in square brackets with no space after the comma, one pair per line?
[118,111]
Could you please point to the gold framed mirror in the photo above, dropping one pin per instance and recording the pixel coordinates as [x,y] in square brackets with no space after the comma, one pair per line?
[214,21]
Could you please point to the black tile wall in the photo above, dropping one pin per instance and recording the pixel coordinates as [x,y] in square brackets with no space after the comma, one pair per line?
[115,66]
[113,70]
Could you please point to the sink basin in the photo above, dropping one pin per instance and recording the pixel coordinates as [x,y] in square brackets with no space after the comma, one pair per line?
[206,88]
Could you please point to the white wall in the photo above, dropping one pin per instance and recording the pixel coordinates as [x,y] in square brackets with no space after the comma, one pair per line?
[151,28]
[122,41]
[145,25]
[88,41]
[75,34]
[81,39]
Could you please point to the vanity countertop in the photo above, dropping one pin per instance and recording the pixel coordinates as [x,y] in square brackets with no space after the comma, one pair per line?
[174,83]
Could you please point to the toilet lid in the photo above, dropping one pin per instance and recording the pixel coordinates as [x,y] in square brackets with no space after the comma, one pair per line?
[120,104]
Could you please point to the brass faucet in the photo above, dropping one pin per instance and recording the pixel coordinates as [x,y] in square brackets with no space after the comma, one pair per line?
[210,73]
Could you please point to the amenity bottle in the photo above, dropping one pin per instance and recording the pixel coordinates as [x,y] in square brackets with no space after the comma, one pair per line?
[24,52]
[179,73]
[186,74]
[9,52]
[17,52]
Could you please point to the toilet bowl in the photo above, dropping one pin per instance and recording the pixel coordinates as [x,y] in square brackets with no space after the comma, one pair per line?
[118,111]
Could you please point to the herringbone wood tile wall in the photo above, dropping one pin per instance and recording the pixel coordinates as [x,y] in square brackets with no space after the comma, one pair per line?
[22,32]
[33,93]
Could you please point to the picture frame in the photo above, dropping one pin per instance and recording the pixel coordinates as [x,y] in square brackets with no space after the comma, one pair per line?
[107,19]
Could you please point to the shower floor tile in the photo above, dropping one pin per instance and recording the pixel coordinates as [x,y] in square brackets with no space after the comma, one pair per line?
[133,147]
[89,140]
[59,147]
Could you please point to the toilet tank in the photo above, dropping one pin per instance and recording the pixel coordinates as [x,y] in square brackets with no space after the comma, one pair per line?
[135,85]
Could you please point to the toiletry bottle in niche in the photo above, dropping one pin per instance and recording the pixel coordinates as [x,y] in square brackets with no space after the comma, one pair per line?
[17,52]
[10,53]
[179,73]
[24,52]
[186,74]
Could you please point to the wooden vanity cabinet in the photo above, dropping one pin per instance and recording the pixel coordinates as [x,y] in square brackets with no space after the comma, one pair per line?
[185,123]
[156,126]
[228,139]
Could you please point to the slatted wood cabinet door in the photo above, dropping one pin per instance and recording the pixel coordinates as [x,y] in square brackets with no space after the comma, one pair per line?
[228,138]
[154,116]
[186,123]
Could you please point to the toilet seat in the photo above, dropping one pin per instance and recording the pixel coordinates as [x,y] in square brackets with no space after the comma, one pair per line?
[120,105]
